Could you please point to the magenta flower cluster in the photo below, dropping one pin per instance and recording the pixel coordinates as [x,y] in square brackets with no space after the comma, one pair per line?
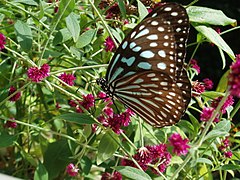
[194,65]
[109,119]
[224,147]
[158,154]
[38,74]
[87,103]
[234,77]
[14,97]
[109,44]
[180,146]
[72,170]
[2,41]
[67,78]
[10,124]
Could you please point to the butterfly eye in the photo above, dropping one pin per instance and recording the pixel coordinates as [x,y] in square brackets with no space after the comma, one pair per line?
[147,71]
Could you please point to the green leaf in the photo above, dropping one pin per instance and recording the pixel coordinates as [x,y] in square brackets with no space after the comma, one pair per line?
[210,16]
[79,118]
[212,94]
[7,140]
[85,38]
[215,38]
[186,125]
[223,83]
[61,36]
[86,165]
[122,8]
[142,10]
[41,172]
[65,8]
[205,161]
[220,130]
[132,173]
[195,123]
[73,26]
[107,146]
[24,35]
[27,2]
[56,158]
[229,167]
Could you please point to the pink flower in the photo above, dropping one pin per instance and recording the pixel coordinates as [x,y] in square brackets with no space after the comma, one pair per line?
[109,44]
[206,114]
[180,145]
[234,77]
[10,124]
[88,101]
[198,87]
[225,144]
[102,95]
[57,105]
[143,156]
[114,176]
[194,65]
[16,96]
[229,102]
[108,111]
[38,74]
[2,41]
[72,170]
[67,78]
[228,154]
[156,154]
[160,156]
[208,83]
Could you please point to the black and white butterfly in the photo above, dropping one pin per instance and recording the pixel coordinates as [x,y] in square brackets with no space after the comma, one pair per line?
[147,71]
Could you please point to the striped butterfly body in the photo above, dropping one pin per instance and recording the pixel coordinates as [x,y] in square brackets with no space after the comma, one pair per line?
[147,72]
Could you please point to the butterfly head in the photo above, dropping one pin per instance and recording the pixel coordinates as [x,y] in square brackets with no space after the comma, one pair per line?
[103,84]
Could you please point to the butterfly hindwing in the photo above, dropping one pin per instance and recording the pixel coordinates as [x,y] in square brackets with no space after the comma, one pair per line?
[153,95]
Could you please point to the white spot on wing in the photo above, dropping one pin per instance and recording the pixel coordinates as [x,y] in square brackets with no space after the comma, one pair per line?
[142,33]
[161,65]
[152,37]
[174,14]
[168,9]
[160,29]
[124,45]
[162,53]
[147,54]
[153,44]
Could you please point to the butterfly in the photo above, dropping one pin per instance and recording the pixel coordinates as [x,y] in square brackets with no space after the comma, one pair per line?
[147,71]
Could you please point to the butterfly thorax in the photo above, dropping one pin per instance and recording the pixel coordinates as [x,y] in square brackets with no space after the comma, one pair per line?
[105,87]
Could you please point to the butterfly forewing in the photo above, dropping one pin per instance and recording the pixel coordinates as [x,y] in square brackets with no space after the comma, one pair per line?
[155,44]
[146,73]
[179,21]
[153,95]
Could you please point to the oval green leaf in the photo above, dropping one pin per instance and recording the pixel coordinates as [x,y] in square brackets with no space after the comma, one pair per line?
[85,38]
[41,172]
[24,35]
[107,146]
[210,16]
[77,118]
[73,26]
[7,140]
[215,38]
[132,173]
